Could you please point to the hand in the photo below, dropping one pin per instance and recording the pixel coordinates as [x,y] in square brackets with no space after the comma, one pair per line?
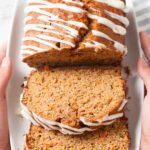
[144,72]
[5,72]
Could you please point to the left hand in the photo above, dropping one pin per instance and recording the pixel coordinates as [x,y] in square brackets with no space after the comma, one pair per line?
[5,72]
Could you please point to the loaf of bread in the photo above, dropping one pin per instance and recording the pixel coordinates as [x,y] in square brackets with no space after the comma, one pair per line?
[113,137]
[68,32]
[74,99]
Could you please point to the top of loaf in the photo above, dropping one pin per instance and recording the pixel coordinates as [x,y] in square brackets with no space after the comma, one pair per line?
[74,25]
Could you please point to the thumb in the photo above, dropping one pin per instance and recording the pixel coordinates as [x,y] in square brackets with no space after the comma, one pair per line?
[143,67]
[5,72]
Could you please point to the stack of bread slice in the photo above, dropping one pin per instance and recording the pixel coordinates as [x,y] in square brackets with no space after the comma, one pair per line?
[75,98]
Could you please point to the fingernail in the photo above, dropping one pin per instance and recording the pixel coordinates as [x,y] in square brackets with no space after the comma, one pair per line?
[5,62]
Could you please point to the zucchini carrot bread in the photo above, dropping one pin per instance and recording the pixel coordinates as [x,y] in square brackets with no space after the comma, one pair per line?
[75,98]
[80,32]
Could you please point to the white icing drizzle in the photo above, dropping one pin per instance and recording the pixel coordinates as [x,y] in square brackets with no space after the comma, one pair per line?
[28,18]
[94,44]
[32,28]
[123,105]
[27,52]
[112,117]
[117,45]
[54,39]
[108,123]
[26,112]
[114,3]
[35,39]
[68,29]
[41,28]
[29,27]
[38,10]
[82,119]
[65,129]
[120,18]
[25,83]
[74,2]
[70,32]
[116,28]
[75,23]
[37,120]
[62,126]
[109,119]
[54,5]
[24,47]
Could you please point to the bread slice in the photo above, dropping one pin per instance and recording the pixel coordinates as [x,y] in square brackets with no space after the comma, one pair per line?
[73,99]
[113,137]
[67,32]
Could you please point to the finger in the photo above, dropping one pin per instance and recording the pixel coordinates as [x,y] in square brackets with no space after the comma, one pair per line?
[145,139]
[145,42]
[5,72]
[4,130]
[146,116]
[143,68]
[2,53]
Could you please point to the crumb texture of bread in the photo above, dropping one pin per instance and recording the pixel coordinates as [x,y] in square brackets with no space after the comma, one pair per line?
[66,94]
[113,137]
[67,32]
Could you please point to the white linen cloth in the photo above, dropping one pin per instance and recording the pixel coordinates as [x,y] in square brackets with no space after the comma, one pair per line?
[142,9]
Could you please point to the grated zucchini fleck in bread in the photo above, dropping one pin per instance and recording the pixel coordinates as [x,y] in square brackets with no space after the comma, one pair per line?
[74,98]
[113,137]
[67,32]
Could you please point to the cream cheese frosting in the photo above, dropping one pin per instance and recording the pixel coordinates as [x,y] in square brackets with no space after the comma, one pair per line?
[109,119]
[116,28]
[115,3]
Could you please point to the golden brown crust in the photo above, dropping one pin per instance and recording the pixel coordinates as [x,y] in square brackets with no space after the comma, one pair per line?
[74,58]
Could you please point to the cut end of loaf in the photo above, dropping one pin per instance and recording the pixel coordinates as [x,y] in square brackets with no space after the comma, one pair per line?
[115,136]
[65,95]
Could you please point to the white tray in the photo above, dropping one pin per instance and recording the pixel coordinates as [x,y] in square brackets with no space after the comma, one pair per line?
[19,126]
